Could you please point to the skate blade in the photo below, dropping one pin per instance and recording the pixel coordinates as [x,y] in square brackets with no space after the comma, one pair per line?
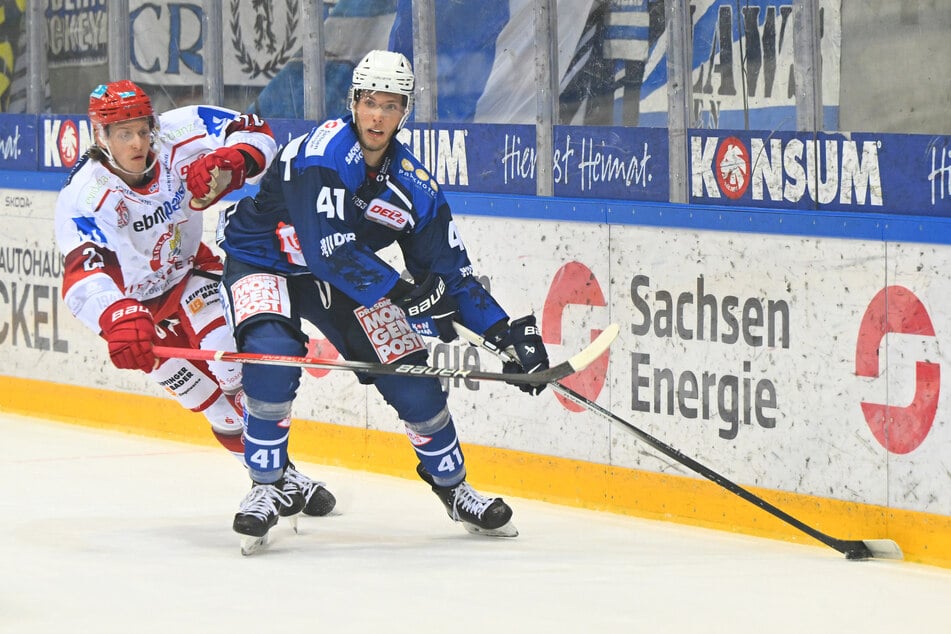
[506,530]
[251,544]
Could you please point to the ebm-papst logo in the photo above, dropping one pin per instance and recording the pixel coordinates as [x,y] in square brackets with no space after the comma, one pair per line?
[899,429]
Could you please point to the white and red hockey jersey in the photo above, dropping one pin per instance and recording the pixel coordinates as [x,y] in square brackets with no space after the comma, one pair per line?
[141,242]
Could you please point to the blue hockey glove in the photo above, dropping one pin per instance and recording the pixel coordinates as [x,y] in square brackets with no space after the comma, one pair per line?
[430,309]
[526,340]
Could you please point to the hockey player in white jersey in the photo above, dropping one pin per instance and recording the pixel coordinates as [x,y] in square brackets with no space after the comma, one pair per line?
[136,270]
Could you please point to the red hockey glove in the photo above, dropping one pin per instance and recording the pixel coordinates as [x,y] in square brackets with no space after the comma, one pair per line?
[214,175]
[128,327]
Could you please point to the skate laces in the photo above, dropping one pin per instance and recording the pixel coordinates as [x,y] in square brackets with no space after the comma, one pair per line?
[263,500]
[469,500]
[294,479]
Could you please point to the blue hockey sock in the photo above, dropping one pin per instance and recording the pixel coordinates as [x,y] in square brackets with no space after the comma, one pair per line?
[437,448]
[265,440]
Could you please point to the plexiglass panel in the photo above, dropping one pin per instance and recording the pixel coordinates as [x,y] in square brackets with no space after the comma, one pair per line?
[883,63]
[895,74]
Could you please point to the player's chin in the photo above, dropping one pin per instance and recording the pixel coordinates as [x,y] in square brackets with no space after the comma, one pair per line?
[376,138]
[134,165]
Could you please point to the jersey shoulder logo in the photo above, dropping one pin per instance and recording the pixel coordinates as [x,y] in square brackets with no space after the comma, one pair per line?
[321,136]
[215,119]
[410,172]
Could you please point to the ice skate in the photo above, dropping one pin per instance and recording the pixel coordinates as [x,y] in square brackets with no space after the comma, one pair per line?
[318,501]
[479,515]
[260,510]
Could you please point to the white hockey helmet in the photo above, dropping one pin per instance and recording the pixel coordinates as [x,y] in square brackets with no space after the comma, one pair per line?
[384,71]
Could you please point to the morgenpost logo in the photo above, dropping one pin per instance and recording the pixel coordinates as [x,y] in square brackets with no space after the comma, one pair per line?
[573,285]
[899,429]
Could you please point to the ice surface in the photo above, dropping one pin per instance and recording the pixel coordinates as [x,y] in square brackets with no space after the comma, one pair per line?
[107,532]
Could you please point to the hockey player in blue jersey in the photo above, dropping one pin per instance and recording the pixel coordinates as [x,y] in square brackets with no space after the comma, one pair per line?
[305,247]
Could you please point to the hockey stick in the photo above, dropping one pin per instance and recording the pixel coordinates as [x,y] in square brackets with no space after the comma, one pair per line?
[576,363]
[852,549]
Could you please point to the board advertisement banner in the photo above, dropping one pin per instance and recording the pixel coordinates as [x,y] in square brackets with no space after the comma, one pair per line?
[811,365]
[18,142]
[870,173]
[900,174]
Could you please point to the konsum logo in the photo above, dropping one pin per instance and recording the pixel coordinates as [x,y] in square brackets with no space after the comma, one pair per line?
[67,142]
[575,284]
[896,309]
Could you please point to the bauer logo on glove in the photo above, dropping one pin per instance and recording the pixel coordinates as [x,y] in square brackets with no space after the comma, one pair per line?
[429,307]
[213,175]
[128,329]
[525,340]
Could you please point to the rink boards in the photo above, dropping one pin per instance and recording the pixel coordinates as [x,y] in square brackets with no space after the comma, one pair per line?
[806,366]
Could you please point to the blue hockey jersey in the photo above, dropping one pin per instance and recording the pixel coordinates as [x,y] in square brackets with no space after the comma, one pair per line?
[319,213]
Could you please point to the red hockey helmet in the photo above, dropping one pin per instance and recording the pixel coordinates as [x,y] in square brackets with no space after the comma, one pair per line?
[118,101]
